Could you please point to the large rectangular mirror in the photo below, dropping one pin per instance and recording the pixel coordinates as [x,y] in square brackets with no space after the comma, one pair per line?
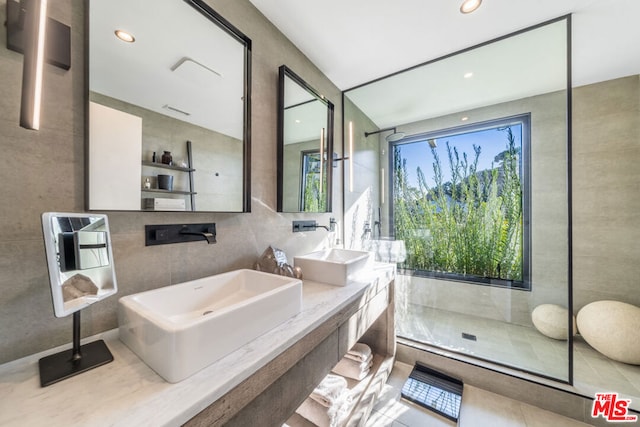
[305,144]
[465,160]
[169,108]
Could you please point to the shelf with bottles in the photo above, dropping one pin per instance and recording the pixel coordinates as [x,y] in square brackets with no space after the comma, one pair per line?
[167,163]
[160,190]
[165,166]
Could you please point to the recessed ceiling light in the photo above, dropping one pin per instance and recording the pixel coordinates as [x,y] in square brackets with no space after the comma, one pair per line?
[124,36]
[297,120]
[465,118]
[468,75]
[469,6]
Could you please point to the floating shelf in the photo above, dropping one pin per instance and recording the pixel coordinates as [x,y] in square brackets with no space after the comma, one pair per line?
[164,166]
[158,190]
[189,170]
[364,393]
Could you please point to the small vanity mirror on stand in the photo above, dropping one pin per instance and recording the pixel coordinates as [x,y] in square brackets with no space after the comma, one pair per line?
[81,272]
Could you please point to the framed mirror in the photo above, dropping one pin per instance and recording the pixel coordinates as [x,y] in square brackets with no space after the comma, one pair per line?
[305,144]
[169,108]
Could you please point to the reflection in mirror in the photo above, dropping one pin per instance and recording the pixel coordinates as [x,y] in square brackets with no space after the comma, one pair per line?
[79,259]
[462,163]
[305,139]
[167,105]
[81,272]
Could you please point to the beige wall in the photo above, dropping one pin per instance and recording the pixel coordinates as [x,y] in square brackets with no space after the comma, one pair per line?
[606,192]
[44,171]
[362,203]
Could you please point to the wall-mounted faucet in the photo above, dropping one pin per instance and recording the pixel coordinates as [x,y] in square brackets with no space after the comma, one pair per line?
[331,227]
[211,237]
[179,233]
[298,226]
[366,230]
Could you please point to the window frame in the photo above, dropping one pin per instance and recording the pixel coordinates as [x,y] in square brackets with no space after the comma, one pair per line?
[304,170]
[523,119]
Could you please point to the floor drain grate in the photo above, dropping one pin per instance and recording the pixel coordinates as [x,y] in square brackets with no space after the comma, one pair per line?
[467,336]
[434,391]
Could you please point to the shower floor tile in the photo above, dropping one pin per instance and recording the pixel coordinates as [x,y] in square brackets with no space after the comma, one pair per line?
[520,347]
[513,345]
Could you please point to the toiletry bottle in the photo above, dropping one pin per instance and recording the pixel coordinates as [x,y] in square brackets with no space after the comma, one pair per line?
[153,159]
[147,183]
[167,159]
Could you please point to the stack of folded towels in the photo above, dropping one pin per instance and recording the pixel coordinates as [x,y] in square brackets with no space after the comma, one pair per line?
[329,404]
[356,364]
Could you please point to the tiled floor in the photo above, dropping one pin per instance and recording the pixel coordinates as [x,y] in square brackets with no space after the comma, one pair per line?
[521,347]
[479,409]
[501,342]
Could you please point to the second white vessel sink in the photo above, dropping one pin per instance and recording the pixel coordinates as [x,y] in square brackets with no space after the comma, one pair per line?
[333,266]
[178,330]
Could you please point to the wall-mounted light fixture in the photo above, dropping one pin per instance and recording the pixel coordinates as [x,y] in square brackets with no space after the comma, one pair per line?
[382,189]
[33,65]
[336,159]
[351,157]
[321,158]
[39,38]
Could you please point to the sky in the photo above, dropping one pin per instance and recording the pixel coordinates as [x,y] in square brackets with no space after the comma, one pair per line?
[492,142]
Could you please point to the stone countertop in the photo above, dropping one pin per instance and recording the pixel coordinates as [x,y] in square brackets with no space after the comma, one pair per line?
[126,392]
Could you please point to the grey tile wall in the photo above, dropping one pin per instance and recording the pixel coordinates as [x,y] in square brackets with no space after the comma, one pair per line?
[43,171]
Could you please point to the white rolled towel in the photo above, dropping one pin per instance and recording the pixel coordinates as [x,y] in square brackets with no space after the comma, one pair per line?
[353,369]
[329,391]
[322,416]
[314,412]
[359,352]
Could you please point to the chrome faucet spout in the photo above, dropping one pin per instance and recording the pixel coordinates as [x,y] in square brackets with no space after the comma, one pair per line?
[331,227]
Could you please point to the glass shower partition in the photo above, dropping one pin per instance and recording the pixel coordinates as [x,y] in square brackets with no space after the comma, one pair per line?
[478,190]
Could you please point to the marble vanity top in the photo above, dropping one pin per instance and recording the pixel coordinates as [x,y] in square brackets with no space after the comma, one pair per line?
[127,392]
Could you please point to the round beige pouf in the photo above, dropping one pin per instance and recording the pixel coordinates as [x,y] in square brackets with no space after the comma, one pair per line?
[612,328]
[551,320]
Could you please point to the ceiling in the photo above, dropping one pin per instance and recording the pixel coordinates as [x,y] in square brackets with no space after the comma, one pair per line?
[517,67]
[356,41]
[193,73]
[304,114]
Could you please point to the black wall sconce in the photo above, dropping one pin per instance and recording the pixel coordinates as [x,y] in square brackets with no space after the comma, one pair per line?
[40,39]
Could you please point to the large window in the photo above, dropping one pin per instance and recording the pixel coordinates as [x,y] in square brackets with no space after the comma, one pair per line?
[460,202]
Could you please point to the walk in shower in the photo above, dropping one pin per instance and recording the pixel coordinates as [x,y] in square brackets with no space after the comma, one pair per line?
[477,189]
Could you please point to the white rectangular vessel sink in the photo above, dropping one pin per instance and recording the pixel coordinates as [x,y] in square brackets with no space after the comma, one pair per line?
[332,266]
[178,330]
